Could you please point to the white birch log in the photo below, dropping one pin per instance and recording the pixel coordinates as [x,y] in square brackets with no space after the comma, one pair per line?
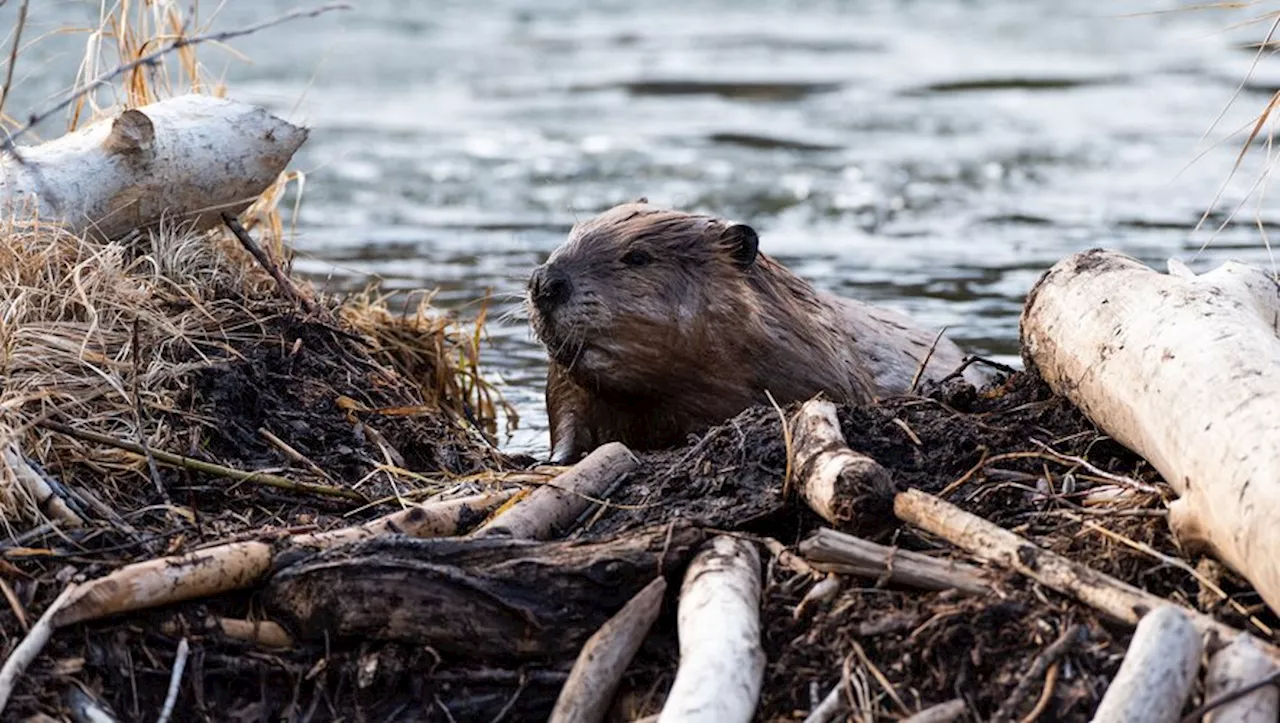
[552,509]
[1185,371]
[845,488]
[718,622]
[586,695]
[1157,673]
[183,160]
[1238,665]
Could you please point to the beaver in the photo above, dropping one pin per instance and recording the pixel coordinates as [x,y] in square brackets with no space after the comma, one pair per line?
[661,323]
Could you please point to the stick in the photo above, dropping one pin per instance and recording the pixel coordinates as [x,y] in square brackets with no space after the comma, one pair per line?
[1232,691]
[1036,673]
[13,54]
[1157,673]
[721,659]
[176,460]
[175,681]
[833,551]
[7,146]
[264,633]
[85,708]
[948,712]
[30,646]
[237,565]
[548,510]
[830,708]
[42,494]
[1119,600]
[845,488]
[428,519]
[586,696]
[286,286]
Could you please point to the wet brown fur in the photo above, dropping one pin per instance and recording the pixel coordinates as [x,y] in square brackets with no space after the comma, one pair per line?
[649,355]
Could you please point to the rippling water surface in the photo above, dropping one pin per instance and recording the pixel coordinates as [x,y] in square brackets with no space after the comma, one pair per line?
[935,156]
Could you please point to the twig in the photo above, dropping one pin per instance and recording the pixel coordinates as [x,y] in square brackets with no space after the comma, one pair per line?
[30,647]
[292,453]
[7,146]
[1200,578]
[177,460]
[1199,713]
[1036,673]
[13,54]
[915,380]
[1046,695]
[883,681]
[1118,479]
[175,681]
[137,419]
[830,707]
[286,286]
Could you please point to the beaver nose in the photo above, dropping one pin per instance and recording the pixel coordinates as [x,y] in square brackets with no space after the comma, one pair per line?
[550,288]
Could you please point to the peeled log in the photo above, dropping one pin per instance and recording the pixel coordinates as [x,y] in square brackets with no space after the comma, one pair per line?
[848,489]
[183,160]
[1238,665]
[587,694]
[1185,371]
[1157,673]
[553,508]
[718,622]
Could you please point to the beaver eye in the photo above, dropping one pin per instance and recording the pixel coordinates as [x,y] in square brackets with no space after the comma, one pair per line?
[637,257]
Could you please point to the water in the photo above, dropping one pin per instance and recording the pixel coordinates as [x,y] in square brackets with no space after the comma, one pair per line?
[935,156]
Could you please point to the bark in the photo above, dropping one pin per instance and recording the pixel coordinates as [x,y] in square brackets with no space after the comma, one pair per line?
[1185,371]
[184,161]
[721,657]
[594,679]
[551,510]
[1157,673]
[1238,665]
[832,551]
[847,489]
[484,599]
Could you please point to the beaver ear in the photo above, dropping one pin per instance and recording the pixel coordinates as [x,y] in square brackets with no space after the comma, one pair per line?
[743,243]
[642,199]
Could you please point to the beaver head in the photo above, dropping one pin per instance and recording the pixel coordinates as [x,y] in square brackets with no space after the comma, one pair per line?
[639,292]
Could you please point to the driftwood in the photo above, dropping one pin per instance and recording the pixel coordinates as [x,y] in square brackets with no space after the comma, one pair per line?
[182,161]
[845,488]
[985,540]
[553,508]
[1157,673]
[488,598]
[1232,669]
[721,657]
[238,565]
[832,551]
[1185,371]
[587,694]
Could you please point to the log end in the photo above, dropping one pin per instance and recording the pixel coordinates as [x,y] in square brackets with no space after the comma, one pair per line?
[132,135]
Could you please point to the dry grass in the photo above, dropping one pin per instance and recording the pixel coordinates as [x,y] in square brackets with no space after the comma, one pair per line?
[128,338]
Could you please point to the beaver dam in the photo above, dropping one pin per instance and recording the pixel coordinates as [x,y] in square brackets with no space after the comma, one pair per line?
[230,496]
